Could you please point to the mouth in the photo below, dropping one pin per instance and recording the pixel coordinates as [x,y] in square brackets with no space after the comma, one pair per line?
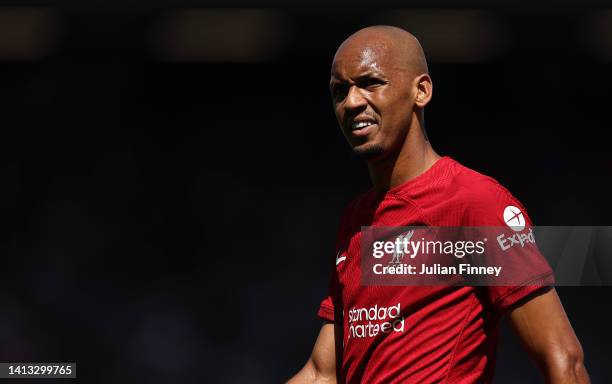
[362,127]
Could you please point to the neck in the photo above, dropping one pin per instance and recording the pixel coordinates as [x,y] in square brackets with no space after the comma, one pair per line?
[414,157]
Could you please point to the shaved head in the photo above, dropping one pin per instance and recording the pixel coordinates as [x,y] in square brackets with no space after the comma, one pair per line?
[385,40]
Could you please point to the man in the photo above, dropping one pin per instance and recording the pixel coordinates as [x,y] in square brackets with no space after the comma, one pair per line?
[380,87]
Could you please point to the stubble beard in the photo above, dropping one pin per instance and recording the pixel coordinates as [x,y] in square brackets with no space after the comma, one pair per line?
[368,152]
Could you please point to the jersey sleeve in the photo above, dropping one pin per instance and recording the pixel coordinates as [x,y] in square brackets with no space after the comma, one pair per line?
[497,209]
[330,308]
[327,308]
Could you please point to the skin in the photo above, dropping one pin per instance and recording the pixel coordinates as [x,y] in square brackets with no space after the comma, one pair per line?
[379,74]
[547,336]
[321,365]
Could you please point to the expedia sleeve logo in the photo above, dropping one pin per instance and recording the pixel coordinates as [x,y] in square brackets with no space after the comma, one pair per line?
[515,219]
[521,239]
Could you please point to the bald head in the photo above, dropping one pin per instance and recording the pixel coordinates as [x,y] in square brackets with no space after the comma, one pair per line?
[396,46]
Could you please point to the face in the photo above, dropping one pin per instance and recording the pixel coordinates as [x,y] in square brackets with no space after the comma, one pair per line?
[373,99]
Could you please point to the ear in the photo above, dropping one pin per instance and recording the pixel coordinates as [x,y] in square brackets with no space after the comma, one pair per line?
[424,88]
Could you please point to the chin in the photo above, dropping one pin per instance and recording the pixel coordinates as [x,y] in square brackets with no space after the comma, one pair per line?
[368,151]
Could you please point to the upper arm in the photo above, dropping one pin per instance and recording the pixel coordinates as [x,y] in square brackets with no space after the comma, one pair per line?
[548,337]
[321,366]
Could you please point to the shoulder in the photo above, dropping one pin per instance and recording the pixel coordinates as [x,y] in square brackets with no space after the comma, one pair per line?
[479,189]
[484,200]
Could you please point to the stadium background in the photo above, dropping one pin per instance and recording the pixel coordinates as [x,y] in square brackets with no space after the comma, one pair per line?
[173,174]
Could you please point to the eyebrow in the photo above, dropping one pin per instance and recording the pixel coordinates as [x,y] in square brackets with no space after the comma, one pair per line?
[367,74]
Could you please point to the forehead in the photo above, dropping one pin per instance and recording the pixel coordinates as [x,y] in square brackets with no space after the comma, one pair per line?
[354,57]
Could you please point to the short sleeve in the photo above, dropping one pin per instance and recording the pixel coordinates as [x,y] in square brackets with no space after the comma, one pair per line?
[330,308]
[497,208]
[329,304]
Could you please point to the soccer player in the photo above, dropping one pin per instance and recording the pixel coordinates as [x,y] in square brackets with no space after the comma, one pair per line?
[420,334]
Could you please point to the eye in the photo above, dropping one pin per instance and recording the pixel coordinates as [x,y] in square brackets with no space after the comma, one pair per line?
[372,82]
[339,91]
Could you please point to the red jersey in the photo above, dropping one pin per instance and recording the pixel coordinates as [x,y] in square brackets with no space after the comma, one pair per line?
[420,334]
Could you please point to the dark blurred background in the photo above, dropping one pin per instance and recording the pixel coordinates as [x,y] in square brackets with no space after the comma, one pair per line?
[174,176]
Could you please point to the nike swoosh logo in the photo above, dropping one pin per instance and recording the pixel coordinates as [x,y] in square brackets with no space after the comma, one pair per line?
[339,259]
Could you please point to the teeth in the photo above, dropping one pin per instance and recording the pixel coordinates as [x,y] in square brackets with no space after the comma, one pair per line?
[362,124]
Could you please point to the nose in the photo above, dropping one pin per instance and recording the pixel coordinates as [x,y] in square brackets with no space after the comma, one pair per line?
[354,99]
